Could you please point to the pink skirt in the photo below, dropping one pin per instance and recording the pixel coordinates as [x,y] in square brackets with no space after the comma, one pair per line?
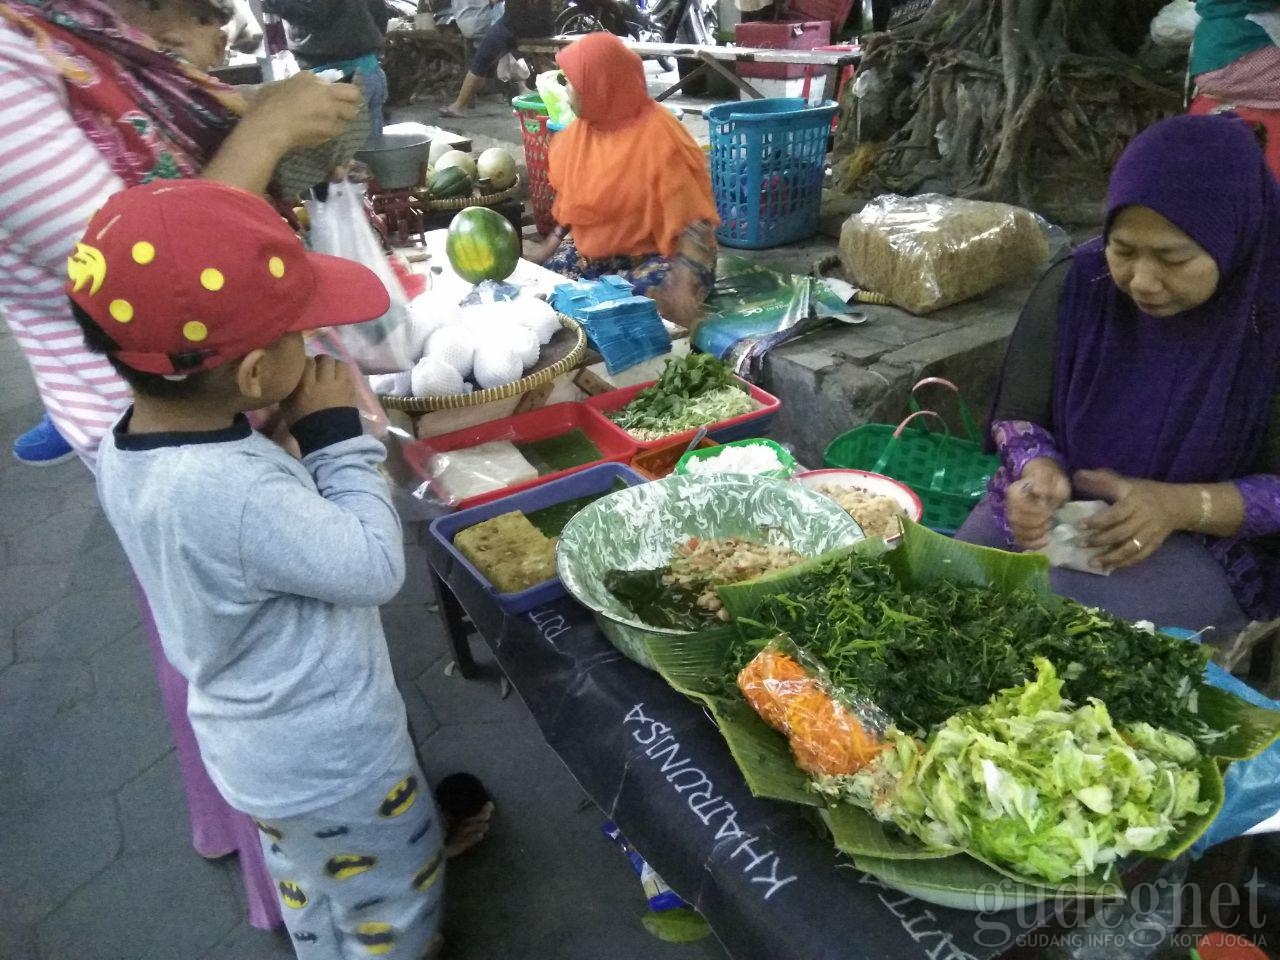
[216,829]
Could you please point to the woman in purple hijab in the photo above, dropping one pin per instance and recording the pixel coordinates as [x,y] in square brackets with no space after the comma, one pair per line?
[1145,372]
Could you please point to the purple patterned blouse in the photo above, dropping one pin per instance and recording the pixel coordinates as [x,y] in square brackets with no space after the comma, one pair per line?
[1020,442]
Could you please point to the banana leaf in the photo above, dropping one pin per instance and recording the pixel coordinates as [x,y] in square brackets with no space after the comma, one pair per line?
[859,834]
[1251,728]
[962,883]
[696,665]
[1212,789]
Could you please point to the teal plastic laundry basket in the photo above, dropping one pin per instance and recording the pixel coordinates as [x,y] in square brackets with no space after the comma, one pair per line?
[768,158]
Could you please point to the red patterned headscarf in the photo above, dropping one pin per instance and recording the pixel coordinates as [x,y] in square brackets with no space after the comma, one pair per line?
[151,115]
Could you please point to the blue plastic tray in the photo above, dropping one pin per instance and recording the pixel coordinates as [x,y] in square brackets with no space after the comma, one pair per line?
[598,479]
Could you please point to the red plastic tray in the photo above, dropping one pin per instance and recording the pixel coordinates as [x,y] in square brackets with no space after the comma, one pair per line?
[748,425]
[614,443]
[780,35]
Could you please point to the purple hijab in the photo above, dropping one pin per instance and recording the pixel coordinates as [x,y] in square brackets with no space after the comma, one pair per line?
[1181,399]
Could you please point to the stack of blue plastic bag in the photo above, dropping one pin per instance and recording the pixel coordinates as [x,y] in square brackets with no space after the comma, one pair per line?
[623,328]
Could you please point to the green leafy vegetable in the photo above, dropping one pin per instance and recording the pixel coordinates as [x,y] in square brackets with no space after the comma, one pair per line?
[693,391]
[925,654]
[681,925]
[659,604]
[1033,783]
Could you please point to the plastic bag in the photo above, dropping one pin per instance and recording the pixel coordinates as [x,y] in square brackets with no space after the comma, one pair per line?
[1252,786]
[553,88]
[1175,24]
[830,734]
[750,303]
[452,476]
[340,228]
[928,252]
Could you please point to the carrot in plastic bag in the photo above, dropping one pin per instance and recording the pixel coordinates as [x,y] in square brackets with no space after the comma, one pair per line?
[826,737]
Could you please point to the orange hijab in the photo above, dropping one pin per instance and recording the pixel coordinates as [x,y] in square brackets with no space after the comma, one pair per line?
[628,177]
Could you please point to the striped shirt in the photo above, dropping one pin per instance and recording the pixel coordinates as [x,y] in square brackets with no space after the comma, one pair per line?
[52,180]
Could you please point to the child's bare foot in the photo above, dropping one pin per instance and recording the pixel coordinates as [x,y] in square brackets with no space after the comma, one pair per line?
[467,810]
[453,110]
[462,835]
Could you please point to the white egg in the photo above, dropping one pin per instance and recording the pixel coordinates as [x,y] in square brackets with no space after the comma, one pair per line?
[428,314]
[540,317]
[454,345]
[497,364]
[392,384]
[433,377]
[524,341]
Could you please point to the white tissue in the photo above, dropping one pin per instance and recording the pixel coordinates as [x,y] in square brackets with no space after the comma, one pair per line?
[1065,548]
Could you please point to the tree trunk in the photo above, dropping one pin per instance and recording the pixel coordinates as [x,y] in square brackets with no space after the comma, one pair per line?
[1021,101]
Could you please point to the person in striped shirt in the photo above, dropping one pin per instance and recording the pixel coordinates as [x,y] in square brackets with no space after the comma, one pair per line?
[89,104]
[97,96]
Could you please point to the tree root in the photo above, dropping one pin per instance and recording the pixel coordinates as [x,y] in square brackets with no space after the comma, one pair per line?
[1007,100]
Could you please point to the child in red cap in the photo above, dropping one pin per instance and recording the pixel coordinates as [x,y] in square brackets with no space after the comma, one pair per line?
[265,573]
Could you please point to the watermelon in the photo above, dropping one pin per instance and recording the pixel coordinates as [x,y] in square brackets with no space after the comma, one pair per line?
[456,158]
[482,245]
[498,167]
[450,182]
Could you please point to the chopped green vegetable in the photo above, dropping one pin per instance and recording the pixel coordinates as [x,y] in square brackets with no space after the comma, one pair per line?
[561,452]
[552,520]
[692,392]
[1033,783]
[659,604]
[923,655]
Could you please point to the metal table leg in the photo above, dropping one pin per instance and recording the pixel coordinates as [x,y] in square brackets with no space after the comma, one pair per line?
[455,627]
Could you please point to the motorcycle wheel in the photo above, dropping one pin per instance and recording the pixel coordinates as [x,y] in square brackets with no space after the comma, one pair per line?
[574,22]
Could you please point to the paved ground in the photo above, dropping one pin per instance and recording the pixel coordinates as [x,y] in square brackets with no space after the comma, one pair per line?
[95,862]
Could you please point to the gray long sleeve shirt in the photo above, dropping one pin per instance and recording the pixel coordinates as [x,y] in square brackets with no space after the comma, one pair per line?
[264,575]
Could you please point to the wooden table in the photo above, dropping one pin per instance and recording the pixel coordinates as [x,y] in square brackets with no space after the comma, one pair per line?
[714,58]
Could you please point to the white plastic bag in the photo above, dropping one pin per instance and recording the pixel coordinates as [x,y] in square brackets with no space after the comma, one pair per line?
[1175,24]
[340,228]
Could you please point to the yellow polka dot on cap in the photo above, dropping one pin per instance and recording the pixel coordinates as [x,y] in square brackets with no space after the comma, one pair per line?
[211,279]
[143,253]
[121,311]
[276,266]
[195,331]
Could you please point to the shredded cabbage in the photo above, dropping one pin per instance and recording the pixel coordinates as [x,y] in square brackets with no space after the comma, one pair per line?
[1033,783]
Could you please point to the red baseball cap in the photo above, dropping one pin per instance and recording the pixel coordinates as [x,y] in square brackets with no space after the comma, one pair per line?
[186,275]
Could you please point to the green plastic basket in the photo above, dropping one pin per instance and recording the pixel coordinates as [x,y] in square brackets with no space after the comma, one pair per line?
[949,473]
[788,462]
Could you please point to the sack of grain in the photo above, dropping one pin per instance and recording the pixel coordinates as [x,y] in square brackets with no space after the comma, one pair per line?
[928,252]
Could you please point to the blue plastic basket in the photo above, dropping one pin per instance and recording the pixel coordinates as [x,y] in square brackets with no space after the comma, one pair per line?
[767,162]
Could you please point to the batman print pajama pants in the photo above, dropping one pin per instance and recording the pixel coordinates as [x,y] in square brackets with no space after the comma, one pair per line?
[364,877]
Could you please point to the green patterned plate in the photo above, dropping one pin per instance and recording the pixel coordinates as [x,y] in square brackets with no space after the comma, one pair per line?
[638,528]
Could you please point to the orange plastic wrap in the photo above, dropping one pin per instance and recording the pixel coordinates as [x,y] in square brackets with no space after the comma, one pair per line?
[826,736]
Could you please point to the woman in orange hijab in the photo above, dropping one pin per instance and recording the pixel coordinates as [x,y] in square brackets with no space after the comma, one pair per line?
[633,192]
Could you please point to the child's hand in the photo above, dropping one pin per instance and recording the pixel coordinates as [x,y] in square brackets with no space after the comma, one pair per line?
[325,383]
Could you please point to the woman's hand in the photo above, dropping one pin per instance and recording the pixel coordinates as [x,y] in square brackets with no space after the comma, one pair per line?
[1032,500]
[299,112]
[541,252]
[1142,516]
[303,111]
[678,297]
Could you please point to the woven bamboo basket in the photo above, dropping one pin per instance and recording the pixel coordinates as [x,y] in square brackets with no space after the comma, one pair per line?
[461,203]
[517,388]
